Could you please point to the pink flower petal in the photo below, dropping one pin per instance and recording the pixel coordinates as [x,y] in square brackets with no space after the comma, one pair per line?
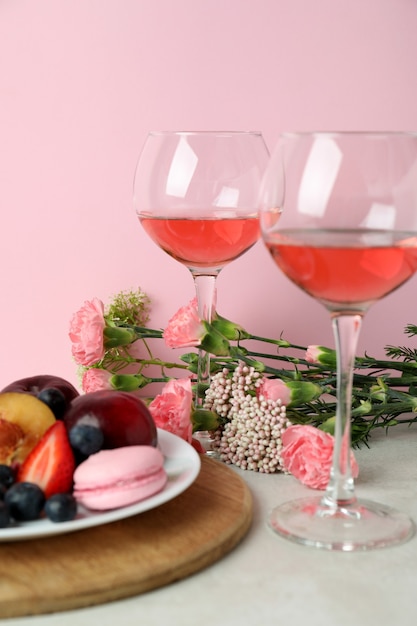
[184,329]
[171,409]
[307,454]
[86,333]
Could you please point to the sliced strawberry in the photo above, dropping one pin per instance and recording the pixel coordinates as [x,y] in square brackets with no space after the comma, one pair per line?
[51,462]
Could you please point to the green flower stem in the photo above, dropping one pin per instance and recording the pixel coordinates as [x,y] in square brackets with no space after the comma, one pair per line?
[322,411]
[142,332]
[384,391]
[360,362]
[392,421]
[113,363]
[315,369]
[163,364]
[281,343]
[146,333]
[367,362]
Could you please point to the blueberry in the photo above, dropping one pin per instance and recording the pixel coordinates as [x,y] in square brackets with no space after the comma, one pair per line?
[4,515]
[3,491]
[6,476]
[61,507]
[55,399]
[25,501]
[86,439]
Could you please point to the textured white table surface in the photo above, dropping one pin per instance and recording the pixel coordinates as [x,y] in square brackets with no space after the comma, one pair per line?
[268,580]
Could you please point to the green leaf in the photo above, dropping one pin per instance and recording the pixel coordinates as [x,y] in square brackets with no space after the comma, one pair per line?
[202,419]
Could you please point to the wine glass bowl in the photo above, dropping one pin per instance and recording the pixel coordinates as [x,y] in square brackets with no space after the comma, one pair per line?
[225,239]
[339,218]
[196,194]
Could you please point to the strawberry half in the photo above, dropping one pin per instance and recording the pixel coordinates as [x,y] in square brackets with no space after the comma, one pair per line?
[51,462]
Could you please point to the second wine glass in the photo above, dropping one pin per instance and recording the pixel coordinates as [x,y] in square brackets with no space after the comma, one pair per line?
[196,195]
[347,236]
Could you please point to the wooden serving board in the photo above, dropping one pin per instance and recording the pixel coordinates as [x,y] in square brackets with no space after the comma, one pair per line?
[130,556]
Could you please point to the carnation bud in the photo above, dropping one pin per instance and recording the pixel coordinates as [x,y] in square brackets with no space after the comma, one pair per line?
[214,342]
[203,419]
[322,355]
[230,330]
[302,392]
[379,391]
[364,408]
[115,336]
[128,382]
[329,425]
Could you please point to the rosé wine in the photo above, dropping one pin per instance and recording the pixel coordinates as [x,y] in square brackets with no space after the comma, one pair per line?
[346,270]
[202,243]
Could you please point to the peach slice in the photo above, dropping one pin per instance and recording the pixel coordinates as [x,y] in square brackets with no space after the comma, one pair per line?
[23,421]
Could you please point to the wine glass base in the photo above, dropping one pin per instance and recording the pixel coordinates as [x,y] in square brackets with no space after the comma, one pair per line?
[361,525]
[205,439]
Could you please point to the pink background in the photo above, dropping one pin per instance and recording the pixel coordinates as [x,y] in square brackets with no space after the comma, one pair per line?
[81,84]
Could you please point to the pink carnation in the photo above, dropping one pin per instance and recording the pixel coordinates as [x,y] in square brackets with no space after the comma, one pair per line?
[307,454]
[95,380]
[274,389]
[312,354]
[86,333]
[185,328]
[171,409]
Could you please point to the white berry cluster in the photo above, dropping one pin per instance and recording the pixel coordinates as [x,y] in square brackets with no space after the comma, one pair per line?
[251,436]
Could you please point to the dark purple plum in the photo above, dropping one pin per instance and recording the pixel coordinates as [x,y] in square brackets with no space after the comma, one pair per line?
[123,418]
[35,385]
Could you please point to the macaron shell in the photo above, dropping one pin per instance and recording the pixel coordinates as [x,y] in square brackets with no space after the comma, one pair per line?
[114,478]
[117,496]
[118,464]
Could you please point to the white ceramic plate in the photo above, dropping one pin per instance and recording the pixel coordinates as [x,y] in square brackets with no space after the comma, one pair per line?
[182,464]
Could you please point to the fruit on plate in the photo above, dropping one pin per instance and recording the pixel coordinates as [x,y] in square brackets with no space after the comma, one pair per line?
[24,502]
[85,439]
[7,476]
[54,391]
[35,384]
[42,485]
[50,465]
[4,515]
[61,507]
[123,418]
[23,421]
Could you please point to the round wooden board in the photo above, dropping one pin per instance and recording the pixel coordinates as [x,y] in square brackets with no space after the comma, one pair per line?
[131,556]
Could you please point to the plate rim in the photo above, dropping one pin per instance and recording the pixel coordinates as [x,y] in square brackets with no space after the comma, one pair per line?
[42,528]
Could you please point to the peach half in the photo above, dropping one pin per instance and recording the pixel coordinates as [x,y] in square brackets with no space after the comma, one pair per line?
[23,421]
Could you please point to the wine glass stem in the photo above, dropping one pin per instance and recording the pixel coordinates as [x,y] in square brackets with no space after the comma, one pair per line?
[340,490]
[205,287]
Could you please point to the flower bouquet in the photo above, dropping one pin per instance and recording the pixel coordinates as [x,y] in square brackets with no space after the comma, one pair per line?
[268,410]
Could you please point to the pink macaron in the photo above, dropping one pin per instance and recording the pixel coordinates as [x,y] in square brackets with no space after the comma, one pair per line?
[114,478]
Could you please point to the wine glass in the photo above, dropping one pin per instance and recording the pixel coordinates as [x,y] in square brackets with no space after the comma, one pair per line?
[196,195]
[339,218]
